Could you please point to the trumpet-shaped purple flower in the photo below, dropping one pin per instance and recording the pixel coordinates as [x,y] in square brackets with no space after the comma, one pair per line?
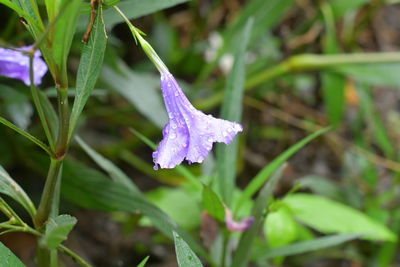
[15,64]
[189,133]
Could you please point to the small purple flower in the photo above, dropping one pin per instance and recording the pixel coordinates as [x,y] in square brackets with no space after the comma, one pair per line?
[233,226]
[189,133]
[15,64]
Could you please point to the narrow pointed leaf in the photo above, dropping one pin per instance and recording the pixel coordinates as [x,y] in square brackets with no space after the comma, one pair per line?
[184,254]
[264,253]
[91,189]
[328,216]
[7,258]
[63,32]
[262,176]
[10,188]
[232,111]
[89,67]
[108,166]
[25,134]
[243,251]
[143,262]
[212,204]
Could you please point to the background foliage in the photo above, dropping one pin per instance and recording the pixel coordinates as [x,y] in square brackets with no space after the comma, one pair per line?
[286,69]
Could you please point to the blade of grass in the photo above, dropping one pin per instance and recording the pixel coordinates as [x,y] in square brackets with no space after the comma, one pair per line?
[108,166]
[232,110]
[243,252]
[91,189]
[257,182]
[265,253]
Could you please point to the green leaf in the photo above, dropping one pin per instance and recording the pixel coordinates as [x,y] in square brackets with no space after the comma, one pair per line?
[265,173]
[184,254]
[379,74]
[63,33]
[10,188]
[143,262]
[333,85]
[49,113]
[179,204]
[108,166]
[279,228]
[328,216]
[340,7]
[57,230]
[140,89]
[374,122]
[132,9]
[242,253]
[8,259]
[264,253]
[212,204]
[25,134]
[91,189]
[31,15]
[232,111]
[89,67]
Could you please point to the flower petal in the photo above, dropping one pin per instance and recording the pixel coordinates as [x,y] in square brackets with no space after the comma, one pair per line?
[190,133]
[15,64]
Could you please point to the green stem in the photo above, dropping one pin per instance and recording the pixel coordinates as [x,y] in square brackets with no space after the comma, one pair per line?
[49,193]
[224,247]
[63,108]
[74,256]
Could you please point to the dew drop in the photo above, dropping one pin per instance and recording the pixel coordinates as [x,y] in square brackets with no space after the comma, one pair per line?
[209,139]
[224,133]
[172,136]
[184,145]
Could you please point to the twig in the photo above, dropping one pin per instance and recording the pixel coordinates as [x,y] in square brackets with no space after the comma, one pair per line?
[89,28]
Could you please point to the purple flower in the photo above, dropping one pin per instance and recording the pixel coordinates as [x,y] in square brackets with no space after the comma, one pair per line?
[189,133]
[15,64]
[233,226]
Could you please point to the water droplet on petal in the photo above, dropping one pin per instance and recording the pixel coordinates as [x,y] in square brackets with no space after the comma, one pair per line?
[172,136]
[184,145]
[224,133]
[209,139]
